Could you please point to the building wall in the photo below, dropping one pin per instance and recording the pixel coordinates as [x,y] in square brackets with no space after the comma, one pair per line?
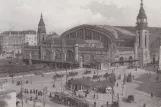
[31,39]
[12,41]
[124,54]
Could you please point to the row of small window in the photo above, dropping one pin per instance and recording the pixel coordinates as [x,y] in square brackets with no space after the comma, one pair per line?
[29,38]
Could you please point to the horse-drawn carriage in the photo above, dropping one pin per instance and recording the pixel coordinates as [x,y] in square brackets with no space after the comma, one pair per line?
[58,76]
[97,76]
[72,74]
[87,72]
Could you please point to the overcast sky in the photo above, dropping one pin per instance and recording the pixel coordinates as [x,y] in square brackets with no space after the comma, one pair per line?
[60,15]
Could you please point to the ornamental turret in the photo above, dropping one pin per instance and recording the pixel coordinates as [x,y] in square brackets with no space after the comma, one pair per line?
[141,18]
[41,32]
[142,37]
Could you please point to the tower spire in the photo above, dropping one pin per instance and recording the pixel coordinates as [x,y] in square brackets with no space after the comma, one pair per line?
[141,3]
[41,15]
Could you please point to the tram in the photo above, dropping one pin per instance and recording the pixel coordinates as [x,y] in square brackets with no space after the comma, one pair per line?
[65,99]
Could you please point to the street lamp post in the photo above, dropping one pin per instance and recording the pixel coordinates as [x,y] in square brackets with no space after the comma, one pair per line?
[21,83]
[44,97]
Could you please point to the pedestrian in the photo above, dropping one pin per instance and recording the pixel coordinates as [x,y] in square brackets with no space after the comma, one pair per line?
[144,105]
[33,91]
[31,98]
[36,97]
[117,84]
[85,94]
[94,96]
[50,95]
[36,91]
[151,95]
[107,103]
[118,96]
[157,78]
[30,91]
[94,104]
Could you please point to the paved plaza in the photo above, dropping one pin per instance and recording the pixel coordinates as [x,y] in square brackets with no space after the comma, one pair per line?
[142,86]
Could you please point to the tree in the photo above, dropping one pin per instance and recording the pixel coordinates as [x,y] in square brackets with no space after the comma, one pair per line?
[106,75]
[112,79]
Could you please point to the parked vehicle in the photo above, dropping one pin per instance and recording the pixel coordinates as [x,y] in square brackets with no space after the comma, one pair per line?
[130,98]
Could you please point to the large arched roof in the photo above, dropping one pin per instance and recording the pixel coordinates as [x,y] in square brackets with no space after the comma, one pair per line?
[116,32]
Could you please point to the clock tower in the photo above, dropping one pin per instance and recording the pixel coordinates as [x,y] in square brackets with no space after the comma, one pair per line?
[142,37]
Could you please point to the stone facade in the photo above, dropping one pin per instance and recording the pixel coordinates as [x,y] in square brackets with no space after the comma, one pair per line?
[12,41]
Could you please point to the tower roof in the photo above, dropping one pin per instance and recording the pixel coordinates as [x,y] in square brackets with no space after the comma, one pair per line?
[41,22]
[142,14]
[41,25]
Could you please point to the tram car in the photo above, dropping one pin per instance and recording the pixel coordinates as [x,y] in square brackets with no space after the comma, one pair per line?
[65,99]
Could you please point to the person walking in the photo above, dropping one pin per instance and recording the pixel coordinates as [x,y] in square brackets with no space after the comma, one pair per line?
[94,104]
[151,95]
[144,105]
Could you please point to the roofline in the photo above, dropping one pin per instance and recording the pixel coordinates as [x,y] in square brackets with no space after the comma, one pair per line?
[92,27]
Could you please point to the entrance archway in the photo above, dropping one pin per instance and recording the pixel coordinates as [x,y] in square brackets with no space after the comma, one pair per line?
[58,55]
[70,56]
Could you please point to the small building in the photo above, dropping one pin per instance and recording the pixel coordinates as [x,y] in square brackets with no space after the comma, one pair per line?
[86,84]
[79,84]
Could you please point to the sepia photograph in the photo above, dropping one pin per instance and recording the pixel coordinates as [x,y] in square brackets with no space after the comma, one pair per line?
[80,53]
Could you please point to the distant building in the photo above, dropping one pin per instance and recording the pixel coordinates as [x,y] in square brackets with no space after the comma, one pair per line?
[12,41]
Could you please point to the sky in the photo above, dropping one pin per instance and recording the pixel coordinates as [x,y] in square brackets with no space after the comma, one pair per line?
[61,15]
